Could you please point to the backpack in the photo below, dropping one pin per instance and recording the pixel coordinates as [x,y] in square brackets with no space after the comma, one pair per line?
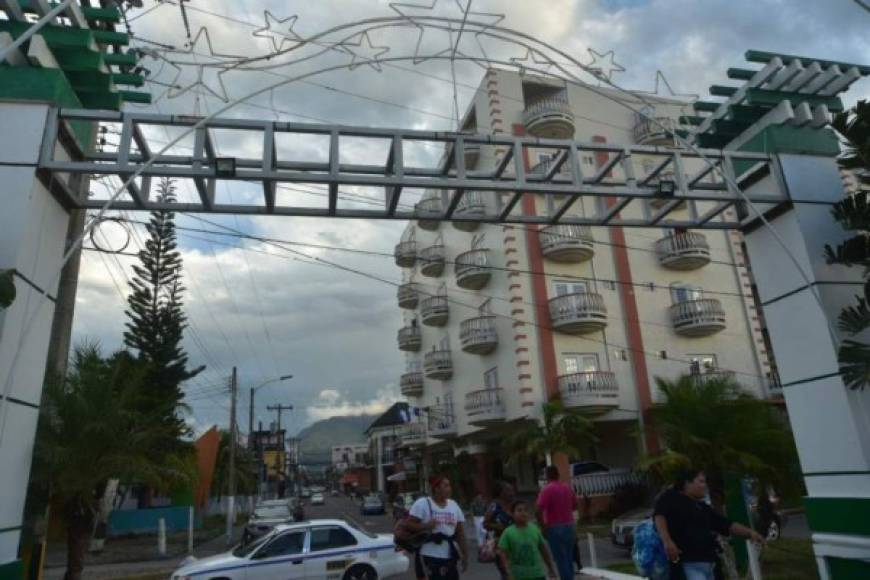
[407,539]
[648,552]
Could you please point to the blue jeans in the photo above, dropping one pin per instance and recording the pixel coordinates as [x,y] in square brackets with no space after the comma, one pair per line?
[698,570]
[562,540]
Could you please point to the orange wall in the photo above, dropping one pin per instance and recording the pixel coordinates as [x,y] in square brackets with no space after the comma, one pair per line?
[206,457]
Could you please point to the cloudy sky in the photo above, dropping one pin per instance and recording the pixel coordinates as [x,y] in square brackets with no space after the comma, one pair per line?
[271,310]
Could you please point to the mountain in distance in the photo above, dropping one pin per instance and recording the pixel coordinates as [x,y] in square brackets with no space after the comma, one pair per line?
[319,438]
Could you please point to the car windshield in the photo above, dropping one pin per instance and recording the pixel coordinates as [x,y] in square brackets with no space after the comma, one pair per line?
[272,512]
[366,533]
[372,500]
[245,550]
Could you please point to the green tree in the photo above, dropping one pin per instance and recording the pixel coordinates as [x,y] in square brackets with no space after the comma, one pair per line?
[716,426]
[853,213]
[561,430]
[91,429]
[156,318]
[246,469]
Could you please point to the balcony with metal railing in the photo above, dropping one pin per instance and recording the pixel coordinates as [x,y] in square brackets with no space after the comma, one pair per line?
[652,130]
[410,338]
[485,407]
[438,365]
[442,423]
[472,269]
[578,313]
[408,295]
[703,317]
[432,260]
[471,205]
[774,385]
[412,435]
[683,251]
[430,206]
[434,310]
[411,384]
[549,117]
[593,391]
[478,335]
[406,254]
[567,243]
[708,375]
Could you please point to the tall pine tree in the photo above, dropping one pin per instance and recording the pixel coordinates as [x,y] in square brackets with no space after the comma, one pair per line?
[156,317]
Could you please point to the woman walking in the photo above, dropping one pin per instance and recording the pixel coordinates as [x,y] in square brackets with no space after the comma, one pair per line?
[445,551]
[498,516]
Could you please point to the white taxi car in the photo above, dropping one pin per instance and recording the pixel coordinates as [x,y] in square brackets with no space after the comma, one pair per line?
[312,550]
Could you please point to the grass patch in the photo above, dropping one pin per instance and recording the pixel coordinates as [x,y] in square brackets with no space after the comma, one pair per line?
[789,559]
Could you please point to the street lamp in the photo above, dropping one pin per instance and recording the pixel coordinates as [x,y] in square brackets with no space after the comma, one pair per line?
[251,409]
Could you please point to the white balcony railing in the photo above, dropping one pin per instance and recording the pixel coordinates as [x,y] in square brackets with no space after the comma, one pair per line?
[430,206]
[410,338]
[578,313]
[549,117]
[683,251]
[405,254]
[567,243]
[411,384]
[652,130]
[472,269]
[471,205]
[591,390]
[412,434]
[437,364]
[484,407]
[442,423]
[432,260]
[408,295]
[698,317]
[434,310]
[478,335]
[606,482]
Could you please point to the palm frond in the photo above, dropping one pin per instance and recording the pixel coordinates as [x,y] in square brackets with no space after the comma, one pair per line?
[854,359]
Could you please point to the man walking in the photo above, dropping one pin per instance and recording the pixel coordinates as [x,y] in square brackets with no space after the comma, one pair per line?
[556,505]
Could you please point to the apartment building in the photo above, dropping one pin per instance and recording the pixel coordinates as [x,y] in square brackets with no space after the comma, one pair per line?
[497,319]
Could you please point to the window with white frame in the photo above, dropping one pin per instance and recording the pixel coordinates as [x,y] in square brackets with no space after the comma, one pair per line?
[580,362]
[561,288]
[682,292]
[490,378]
[702,363]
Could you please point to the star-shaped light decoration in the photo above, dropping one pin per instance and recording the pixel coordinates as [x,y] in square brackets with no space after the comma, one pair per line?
[534,59]
[363,51]
[274,30]
[601,67]
[176,91]
[193,45]
[662,81]
[414,11]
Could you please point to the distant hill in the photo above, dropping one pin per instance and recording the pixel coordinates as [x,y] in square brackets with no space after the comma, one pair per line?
[319,438]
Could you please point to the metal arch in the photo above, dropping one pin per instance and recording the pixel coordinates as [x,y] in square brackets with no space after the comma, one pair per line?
[506,183]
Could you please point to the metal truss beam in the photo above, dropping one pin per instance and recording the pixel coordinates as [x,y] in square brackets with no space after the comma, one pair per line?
[633,193]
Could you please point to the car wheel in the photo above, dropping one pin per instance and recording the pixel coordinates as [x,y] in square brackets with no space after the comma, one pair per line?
[773,531]
[361,572]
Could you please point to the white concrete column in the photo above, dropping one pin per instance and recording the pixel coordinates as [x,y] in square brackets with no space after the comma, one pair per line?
[831,423]
[33,228]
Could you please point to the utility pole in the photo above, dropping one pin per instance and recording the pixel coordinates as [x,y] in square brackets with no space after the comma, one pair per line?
[231,499]
[281,408]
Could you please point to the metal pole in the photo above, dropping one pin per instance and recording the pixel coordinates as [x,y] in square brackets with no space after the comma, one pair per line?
[37,26]
[190,530]
[593,555]
[161,536]
[251,421]
[231,500]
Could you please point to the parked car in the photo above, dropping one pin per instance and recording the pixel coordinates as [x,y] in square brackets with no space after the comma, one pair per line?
[335,493]
[372,505]
[305,493]
[317,498]
[265,518]
[317,549]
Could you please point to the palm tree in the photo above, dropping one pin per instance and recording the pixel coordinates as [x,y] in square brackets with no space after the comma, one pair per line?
[853,213]
[716,426]
[561,430]
[92,429]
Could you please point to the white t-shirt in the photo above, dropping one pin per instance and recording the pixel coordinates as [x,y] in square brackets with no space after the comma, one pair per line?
[448,517]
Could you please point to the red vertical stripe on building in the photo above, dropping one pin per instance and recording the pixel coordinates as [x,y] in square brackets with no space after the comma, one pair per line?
[630,315]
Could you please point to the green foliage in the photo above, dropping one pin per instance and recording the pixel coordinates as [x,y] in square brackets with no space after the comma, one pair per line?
[561,430]
[853,213]
[7,288]
[156,319]
[246,469]
[713,425]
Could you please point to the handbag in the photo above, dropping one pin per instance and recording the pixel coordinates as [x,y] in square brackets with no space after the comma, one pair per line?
[486,551]
[408,539]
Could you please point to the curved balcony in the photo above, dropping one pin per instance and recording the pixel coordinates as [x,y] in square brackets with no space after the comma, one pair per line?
[434,310]
[411,384]
[472,269]
[478,335]
[471,205]
[408,296]
[593,391]
[412,435]
[578,313]
[654,130]
[432,261]
[549,117]
[567,243]
[442,424]
[438,365]
[410,338]
[405,254]
[713,375]
[472,154]
[683,251]
[484,407]
[702,317]
[431,206]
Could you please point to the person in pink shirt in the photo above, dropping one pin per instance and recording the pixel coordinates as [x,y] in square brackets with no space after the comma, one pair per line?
[556,504]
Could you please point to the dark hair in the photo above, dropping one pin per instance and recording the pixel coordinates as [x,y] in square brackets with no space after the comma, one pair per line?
[498,487]
[517,503]
[685,476]
[552,473]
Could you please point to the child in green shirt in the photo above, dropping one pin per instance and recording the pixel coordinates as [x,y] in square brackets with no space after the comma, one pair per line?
[522,547]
